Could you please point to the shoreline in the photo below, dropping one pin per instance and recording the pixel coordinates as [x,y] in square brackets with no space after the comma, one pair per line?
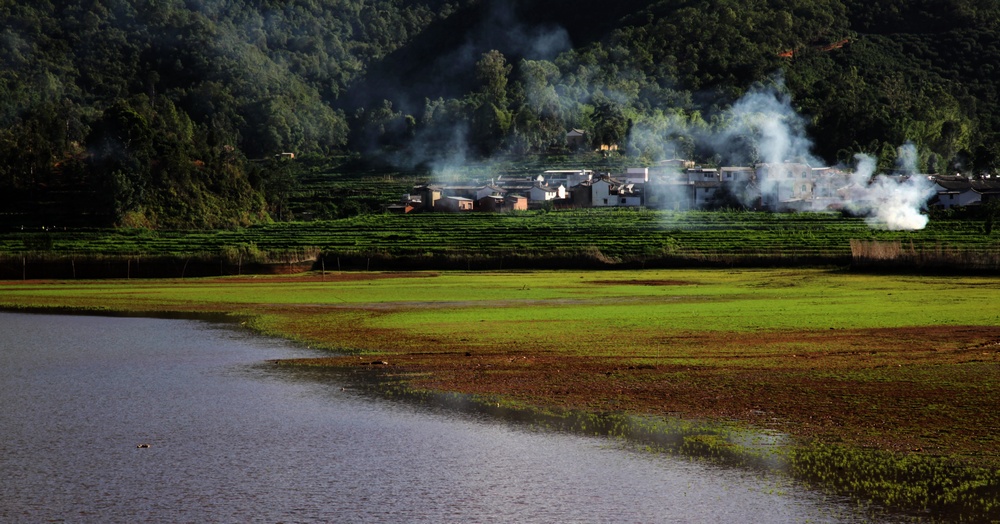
[896,395]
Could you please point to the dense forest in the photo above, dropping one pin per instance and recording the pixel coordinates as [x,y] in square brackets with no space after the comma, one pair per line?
[175,113]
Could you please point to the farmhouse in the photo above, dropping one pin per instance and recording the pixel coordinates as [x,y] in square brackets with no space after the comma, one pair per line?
[786,186]
[516,203]
[567,177]
[611,192]
[428,196]
[543,193]
[831,188]
[601,192]
[988,189]
[501,203]
[519,185]
[703,193]
[454,204]
[576,139]
[490,190]
[635,175]
[492,204]
[400,209]
[737,175]
[958,190]
[954,190]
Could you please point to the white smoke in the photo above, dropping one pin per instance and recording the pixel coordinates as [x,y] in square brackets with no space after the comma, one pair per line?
[764,120]
[763,128]
[891,202]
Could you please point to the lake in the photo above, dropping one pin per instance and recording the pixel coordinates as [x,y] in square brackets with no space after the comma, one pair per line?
[231,439]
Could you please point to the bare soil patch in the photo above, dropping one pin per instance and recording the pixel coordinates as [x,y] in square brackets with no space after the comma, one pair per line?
[643,282]
[921,389]
[320,277]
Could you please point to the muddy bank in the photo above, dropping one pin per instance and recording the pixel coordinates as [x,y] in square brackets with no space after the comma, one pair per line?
[851,393]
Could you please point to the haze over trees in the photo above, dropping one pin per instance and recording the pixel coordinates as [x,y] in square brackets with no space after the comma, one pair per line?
[169,113]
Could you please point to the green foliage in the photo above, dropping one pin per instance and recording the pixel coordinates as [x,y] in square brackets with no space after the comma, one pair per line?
[151,112]
[156,106]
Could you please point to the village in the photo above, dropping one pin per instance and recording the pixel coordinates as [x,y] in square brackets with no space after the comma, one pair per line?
[682,185]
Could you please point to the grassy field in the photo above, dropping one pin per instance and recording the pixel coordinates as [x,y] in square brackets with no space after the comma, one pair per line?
[887,381]
[583,239]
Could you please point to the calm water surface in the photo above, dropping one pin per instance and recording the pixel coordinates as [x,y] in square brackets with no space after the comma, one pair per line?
[233,441]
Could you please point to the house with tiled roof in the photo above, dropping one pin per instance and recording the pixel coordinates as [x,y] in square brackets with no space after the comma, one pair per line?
[954,191]
[490,190]
[576,139]
[542,193]
[988,189]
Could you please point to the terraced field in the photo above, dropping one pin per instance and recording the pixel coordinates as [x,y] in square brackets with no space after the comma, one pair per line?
[619,235]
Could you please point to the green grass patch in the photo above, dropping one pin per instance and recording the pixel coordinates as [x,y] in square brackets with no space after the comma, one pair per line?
[892,370]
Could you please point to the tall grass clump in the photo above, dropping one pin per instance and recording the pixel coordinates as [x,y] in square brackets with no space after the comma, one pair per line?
[894,254]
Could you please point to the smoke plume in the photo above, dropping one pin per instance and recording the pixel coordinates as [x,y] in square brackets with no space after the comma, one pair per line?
[892,202]
[763,129]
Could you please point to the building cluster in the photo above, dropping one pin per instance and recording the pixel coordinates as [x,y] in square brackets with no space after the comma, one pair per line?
[679,185]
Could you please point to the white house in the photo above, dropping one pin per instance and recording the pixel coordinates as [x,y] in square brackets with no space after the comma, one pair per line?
[736,175]
[955,190]
[785,186]
[629,199]
[604,192]
[630,195]
[540,193]
[701,174]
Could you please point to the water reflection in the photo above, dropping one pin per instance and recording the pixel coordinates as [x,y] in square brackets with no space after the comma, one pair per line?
[727,444]
[234,441]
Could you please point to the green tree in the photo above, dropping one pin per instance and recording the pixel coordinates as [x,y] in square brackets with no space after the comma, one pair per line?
[492,117]
[611,126]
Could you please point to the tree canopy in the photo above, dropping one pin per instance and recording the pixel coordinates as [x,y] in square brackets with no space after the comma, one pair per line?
[169,113]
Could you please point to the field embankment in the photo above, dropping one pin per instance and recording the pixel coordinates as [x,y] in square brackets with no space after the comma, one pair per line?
[564,239]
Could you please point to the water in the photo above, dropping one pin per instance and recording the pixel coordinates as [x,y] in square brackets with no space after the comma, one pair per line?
[233,441]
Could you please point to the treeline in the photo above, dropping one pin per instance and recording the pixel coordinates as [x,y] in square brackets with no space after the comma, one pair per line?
[169,113]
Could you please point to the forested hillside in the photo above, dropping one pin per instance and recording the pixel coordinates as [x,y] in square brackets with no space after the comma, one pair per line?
[170,113]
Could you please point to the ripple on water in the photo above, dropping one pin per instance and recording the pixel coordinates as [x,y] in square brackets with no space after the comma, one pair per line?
[230,442]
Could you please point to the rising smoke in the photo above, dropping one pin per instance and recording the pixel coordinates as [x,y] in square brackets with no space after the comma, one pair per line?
[762,127]
[442,144]
[891,202]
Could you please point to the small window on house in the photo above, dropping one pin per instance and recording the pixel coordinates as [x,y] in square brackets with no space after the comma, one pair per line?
[803,188]
[605,201]
[623,201]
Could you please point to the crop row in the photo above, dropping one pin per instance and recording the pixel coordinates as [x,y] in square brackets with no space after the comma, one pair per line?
[615,233]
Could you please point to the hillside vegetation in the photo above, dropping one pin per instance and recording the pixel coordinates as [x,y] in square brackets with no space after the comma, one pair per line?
[170,113]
